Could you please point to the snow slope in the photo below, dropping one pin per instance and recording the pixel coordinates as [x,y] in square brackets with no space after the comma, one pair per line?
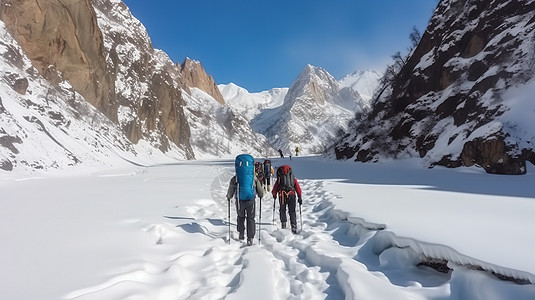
[219,131]
[251,104]
[455,99]
[363,82]
[161,232]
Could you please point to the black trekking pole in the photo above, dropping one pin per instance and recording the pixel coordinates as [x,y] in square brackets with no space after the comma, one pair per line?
[301,216]
[273,214]
[259,220]
[228,205]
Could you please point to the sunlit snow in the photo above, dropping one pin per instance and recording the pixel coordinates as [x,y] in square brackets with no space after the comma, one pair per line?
[369,231]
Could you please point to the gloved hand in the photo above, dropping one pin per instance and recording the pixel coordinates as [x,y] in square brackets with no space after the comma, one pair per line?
[300,200]
[228,199]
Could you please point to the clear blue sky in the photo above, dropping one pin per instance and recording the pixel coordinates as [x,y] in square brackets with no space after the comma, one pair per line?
[262,44]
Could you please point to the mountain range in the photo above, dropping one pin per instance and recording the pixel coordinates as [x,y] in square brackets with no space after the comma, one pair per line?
[81,84]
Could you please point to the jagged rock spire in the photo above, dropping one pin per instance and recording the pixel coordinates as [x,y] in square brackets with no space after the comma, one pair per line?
[192,74]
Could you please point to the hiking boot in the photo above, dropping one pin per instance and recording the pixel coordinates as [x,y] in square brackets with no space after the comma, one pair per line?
[283,225]
[294,230]
[241,237]
[249,241]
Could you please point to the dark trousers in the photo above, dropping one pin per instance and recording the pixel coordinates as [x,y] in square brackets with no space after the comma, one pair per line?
[267,180]
[246,211]
[288,202]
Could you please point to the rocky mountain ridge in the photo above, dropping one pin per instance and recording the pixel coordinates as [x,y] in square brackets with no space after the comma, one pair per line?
[452,103]
[91,62]
[157,110]
[312,114]
[67,54]
[149,101]
[46,126]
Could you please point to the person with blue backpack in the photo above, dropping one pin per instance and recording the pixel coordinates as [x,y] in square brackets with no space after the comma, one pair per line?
[245,186]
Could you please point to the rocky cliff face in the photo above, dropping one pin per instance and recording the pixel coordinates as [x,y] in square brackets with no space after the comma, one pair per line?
[63,40]
[47,126]
[149,100]
[449,103]
[192,74]
[106,55]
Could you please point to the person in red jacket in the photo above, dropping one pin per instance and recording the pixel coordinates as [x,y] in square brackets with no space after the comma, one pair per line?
[287,189]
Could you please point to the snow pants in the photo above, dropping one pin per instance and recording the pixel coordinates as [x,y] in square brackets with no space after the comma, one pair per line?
[246,211]
[288,201]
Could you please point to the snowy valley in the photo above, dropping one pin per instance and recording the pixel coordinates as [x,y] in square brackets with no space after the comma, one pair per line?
[115,162]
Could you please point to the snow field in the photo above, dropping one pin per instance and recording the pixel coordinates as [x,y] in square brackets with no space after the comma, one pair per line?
[162,233]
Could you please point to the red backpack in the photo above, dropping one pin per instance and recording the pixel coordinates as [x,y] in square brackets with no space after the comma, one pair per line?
[285,176]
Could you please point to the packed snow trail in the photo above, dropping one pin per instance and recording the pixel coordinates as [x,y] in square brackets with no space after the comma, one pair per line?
[317,263]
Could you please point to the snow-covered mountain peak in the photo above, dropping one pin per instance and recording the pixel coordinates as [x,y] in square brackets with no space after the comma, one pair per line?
[313,71]
[314,74]
[232,91]
[314,83]
[364,82]
[315,108]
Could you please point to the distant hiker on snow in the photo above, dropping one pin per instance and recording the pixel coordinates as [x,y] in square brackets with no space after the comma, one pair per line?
[280,153]
[286,187]
[296,151]
[268,171]
[245,186]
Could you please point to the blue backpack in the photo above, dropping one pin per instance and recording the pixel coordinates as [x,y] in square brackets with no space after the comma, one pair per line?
[245,176]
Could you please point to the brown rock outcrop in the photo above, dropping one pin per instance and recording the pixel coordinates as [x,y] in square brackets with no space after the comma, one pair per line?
[192,74]
[90,43]
[147,92]
[63,41]
[492,154]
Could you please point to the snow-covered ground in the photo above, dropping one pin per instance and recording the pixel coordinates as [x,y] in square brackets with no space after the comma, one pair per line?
[161,232]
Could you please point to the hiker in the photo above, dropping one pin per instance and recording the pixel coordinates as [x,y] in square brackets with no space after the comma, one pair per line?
[259,172]
[296,151]
[286,187]
[268,171]
[280,153]
[245,186]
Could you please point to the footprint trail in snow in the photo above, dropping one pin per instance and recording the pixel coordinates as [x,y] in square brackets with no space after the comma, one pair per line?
[190,256]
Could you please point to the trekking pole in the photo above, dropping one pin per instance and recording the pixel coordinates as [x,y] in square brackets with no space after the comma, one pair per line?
[273,214]
[301,216]
[228,205]
[237,200]
[259,220]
